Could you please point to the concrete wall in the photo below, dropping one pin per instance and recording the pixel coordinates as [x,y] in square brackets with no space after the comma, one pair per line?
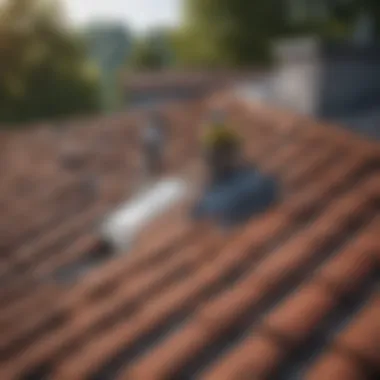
[326,80]
[297,75]
[296,86]
[347,86]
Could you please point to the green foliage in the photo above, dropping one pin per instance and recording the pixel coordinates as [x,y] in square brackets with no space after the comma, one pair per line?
[346,13]
[145,56]
[153,51]
[239,32]
[340,20]
[229,32]
[44,72]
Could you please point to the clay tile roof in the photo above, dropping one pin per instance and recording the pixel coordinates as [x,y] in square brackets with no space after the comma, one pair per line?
[293,294]
[182,79]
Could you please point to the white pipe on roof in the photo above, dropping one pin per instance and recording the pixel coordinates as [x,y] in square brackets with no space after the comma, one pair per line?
[123,226]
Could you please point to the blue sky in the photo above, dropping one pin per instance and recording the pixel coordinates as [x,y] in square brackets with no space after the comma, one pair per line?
[139,14]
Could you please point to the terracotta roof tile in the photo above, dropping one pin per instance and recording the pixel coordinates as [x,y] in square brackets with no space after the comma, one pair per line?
[336,366]
[300,314]
[292,294]
[309,166]
[362,336]
[345,269]
[254,358]
[24,308]
[74,252]
[176,351]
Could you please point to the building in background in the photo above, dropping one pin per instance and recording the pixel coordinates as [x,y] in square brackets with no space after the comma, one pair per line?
[109,45]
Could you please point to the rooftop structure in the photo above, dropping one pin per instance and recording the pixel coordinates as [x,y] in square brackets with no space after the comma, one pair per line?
[292,294]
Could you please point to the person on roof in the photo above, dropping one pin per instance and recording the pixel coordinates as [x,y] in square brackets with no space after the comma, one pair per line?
[153,143]
[221,147]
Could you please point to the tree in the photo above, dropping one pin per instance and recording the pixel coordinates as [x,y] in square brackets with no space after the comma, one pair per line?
[240,32]
[347,13]
[229,32]
[339,17]
[153,51]
[145,56]
[44,72]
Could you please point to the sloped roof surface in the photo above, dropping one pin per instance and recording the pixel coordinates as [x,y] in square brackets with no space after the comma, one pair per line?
[293,294]
[145,80]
